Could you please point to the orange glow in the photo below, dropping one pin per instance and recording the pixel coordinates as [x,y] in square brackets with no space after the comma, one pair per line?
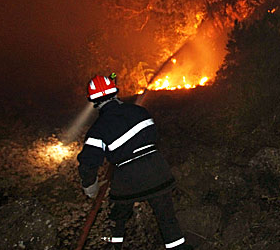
[272,11]
[199,17]
[203,81]
[51,153]
[169,83]
[202,54]
[58,151]
[55,152]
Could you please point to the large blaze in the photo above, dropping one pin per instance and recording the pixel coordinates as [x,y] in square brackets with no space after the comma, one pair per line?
[198,58]
[168,83]
[185,73]
[175,81]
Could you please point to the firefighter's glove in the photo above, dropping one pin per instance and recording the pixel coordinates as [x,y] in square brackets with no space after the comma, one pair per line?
[92,190]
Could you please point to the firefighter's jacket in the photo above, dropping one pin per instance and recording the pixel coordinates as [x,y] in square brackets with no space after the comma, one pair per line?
[126,135]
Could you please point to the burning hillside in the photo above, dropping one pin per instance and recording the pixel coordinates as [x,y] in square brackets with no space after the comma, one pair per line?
[201,54]
[171,44]
[225,136]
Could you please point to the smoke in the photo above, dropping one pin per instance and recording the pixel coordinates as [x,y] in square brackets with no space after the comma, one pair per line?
[50,49]
[149,32]
[38,45]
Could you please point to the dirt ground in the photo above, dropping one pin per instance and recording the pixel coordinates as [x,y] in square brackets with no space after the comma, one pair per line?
[225,199]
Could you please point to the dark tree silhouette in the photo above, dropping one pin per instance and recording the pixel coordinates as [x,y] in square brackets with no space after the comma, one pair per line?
[130,34]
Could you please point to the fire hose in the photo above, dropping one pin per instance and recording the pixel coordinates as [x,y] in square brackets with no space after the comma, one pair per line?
[95,207]
[102,190]
[99,198]
[101,194]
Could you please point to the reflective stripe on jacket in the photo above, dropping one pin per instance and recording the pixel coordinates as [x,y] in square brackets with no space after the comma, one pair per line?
[125,134]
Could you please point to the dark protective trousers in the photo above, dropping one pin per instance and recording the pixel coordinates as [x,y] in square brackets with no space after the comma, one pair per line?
[163,209]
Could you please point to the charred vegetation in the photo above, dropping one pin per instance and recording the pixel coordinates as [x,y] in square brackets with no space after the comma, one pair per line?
[222,142]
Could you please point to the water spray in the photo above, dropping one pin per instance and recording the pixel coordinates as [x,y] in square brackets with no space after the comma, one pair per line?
[89,111]
[140,98]
[102,192]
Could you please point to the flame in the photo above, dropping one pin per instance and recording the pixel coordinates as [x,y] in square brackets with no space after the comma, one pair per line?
[203,81]
[169,83]
[175,80]
[272,11]
[199,17]
[201,55]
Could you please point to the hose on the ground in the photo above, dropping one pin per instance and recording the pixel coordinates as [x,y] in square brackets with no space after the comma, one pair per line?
[96,205]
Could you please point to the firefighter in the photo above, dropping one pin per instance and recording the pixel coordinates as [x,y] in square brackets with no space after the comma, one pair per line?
[125,134]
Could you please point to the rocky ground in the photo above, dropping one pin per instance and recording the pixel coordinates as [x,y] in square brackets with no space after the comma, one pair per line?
[227,198]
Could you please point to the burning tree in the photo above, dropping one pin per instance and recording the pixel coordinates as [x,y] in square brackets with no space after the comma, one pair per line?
[135,38]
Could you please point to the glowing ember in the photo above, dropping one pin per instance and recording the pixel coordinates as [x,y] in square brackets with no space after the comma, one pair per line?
[272,11]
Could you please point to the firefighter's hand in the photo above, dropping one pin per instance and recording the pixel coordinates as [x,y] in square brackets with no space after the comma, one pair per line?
[92,190]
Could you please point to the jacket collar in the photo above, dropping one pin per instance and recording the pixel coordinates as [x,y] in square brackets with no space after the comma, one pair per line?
[109,105]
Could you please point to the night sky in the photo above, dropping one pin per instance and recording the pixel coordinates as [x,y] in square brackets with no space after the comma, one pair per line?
[38,42]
